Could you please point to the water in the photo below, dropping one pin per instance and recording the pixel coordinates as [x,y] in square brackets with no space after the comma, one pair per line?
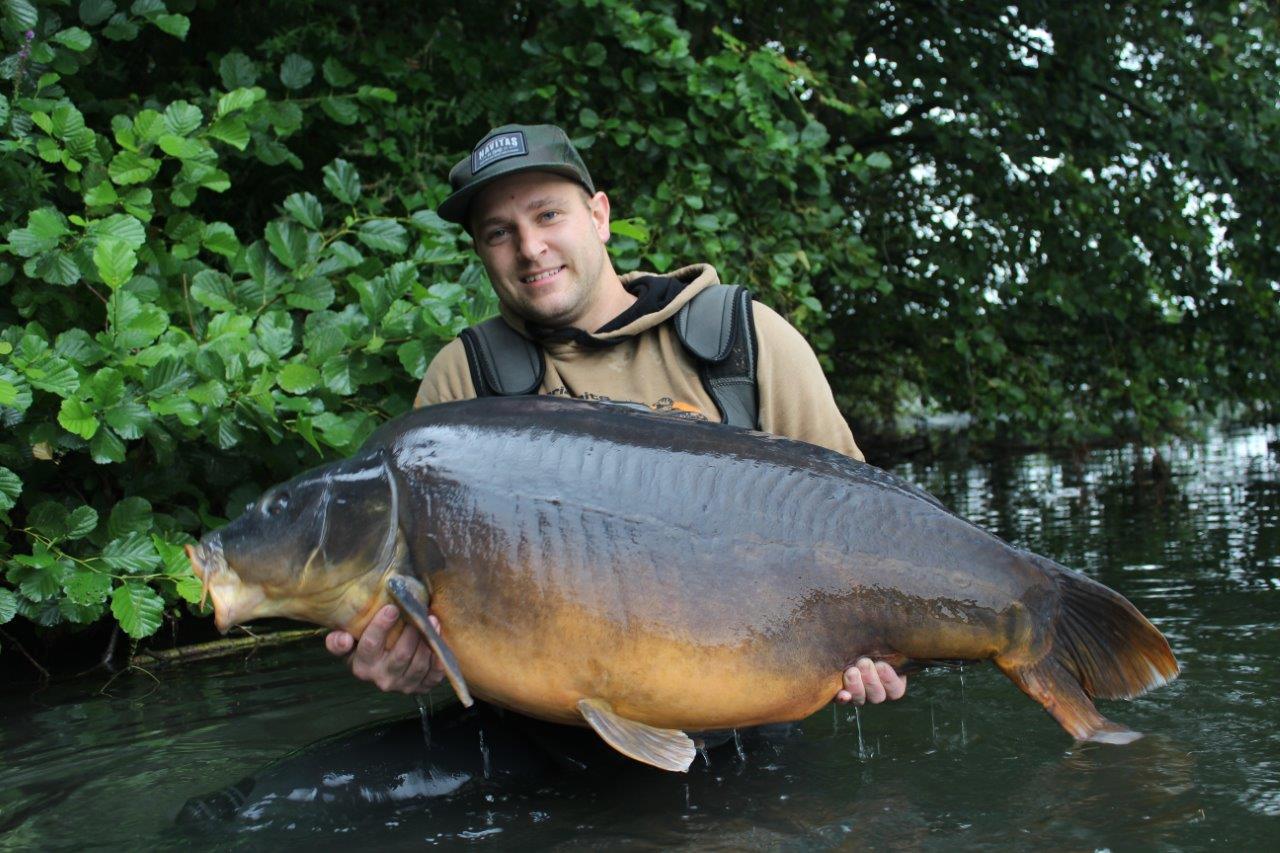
[965,760]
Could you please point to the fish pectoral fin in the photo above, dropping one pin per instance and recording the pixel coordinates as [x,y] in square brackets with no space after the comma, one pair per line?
[666,749]
[411,595]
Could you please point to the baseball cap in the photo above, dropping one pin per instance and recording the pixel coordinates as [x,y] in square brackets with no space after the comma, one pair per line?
[508,150]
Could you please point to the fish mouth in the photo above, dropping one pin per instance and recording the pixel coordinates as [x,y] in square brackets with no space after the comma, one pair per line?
[218,583]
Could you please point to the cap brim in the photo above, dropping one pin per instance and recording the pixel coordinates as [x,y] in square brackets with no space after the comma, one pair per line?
[455,207]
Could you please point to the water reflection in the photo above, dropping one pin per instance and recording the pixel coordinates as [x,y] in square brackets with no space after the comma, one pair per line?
[965,760]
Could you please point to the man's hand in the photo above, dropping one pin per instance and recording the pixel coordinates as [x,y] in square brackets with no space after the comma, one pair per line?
[406,667]
[867,681]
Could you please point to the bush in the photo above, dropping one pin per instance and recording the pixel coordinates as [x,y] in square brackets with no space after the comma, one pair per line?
[222,264]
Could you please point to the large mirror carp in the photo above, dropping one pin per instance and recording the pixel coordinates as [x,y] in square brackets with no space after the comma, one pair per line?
[644,574]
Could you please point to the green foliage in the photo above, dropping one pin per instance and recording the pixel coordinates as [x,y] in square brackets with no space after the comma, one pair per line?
[221,264]
[177,333]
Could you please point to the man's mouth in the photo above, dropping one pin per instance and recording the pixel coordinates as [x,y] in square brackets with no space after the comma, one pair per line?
[539,277]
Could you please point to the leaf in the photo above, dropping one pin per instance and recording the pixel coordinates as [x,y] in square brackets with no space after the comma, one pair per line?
[21,13]
[275,333]
[165,377]
[120,28]
[129,167]
[10,488]
[77,417]
[129,515]
[313,294]
[296,71]
[237,71]
[305,208]
[81,522]
[46,223]
[287,242]
[8,605]
[213,290]
[54,375]
[221,238]
[173,24]
[94,12]
[376,93]
[43,583]
[54,267]
[137,608]
[210,393]
[336,74]
[343,181]
[190,589]
[298,378]
[341,110]
[637,229]
[429,220]
[240,99]
[413,358]
[122,227]
[385,234]
[132,324]
[132,553]
[183,148]
[231,130]
[85,586]
[76,346]
[106,447]
[50,519]
[74,38]
[128,419]
[336,375]
[181,118]
[115,261]
[879,160]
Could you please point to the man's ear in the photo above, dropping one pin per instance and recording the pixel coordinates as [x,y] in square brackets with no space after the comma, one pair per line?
[598,205]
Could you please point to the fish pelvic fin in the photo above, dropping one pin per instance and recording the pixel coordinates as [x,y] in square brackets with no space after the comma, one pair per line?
[666,749]
[1100,646]
[411,595]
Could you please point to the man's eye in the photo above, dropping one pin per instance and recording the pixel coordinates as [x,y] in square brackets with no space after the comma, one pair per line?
[550,214]
[496,234]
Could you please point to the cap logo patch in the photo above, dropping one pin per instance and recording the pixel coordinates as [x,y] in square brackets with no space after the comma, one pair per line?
[497,148]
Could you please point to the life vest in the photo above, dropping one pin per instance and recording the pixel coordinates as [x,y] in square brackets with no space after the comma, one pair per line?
[716,328]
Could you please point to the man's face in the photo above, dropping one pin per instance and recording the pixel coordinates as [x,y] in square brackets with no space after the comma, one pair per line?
[542,241]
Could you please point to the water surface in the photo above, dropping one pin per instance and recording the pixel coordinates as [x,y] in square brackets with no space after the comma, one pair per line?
[965,760]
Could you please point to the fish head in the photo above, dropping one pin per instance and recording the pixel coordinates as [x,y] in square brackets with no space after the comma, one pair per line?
[317,548]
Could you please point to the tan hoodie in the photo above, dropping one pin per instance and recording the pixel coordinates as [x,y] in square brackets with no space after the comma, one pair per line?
[649,365]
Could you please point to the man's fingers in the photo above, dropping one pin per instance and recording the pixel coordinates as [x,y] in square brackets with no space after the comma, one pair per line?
[339,643]
[871,680]
[854,692]
[373,642]
[418,675]
[895,686]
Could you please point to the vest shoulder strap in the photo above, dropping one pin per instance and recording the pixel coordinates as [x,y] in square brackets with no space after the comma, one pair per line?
[717,327]
[503,363]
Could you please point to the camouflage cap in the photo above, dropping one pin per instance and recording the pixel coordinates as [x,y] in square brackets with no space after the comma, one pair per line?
[508,150]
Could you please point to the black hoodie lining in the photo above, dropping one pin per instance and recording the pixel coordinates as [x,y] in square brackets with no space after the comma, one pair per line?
[652,292]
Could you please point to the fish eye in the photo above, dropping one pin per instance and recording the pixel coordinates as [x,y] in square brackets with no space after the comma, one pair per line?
[276,504]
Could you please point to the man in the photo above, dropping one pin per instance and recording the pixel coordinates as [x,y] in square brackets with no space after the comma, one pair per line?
[540,229]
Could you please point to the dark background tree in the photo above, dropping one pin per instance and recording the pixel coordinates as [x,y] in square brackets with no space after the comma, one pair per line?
[220,262]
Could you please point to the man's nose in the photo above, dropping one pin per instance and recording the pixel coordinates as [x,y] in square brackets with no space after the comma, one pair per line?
[531,243]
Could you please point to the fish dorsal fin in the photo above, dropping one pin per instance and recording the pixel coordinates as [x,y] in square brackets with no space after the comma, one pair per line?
[411,595]
[667,749]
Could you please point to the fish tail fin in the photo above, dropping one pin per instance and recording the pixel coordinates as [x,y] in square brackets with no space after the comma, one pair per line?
[1100,646]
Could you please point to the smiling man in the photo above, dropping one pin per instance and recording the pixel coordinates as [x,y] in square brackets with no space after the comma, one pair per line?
[571,326]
